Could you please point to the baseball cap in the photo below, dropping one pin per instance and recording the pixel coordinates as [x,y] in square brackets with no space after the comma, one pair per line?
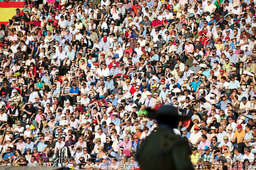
[239,126]
[206,148]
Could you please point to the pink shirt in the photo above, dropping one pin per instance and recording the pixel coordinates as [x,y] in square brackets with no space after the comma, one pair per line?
[203,144]
[127,147]
[189,48]
[38,118]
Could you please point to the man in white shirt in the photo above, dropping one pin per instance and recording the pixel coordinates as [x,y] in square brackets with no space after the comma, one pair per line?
[209,7]
[248,155]
[59,145]
[150,101]
[227,143]
[3,116]
[100,135]
[195,136]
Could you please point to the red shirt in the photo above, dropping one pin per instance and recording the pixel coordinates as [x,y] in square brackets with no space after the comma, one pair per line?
[156,23]
[203,40]
[129,50]
[112,63]
[135,7]
[132,90]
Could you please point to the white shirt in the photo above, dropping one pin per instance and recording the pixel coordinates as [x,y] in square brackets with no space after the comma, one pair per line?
[102,137]
[3,117]
[250,157]
[194,137]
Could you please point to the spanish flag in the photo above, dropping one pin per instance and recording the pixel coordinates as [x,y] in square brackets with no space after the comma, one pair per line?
[8,9]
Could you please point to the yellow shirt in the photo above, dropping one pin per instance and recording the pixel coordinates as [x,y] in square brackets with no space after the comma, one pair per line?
[194,158]
[239,136]
[219,46]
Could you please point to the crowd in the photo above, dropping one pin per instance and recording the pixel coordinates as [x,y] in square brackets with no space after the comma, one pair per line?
[76,77]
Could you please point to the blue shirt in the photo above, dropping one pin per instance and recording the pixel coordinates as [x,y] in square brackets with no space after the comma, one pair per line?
[195,85]
[155,57]
[133,165]
[187,135]
[116,121]
[74,91]
[29,146]
[223,104]
[8,155]
[114,102]
[41,146]
[56,92]
[206,73]
[109,84]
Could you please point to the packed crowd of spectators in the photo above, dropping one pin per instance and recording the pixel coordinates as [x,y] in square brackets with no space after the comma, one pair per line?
[76,77]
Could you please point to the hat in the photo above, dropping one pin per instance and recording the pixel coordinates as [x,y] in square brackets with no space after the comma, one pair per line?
[225,137]
[105,39]
[195,62]
[148,93]
[32,127]
[203,65]
[230,128]
[239,126]
[248,73]
[195,117]
[130,101]
[213,128]
[165,111]
[206,148]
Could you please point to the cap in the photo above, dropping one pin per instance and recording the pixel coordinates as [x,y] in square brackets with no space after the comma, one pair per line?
[154,85]
[105,38]
[149,94]
[213,128]
[206,148]
[229,128]
[239,126]
[225,137]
